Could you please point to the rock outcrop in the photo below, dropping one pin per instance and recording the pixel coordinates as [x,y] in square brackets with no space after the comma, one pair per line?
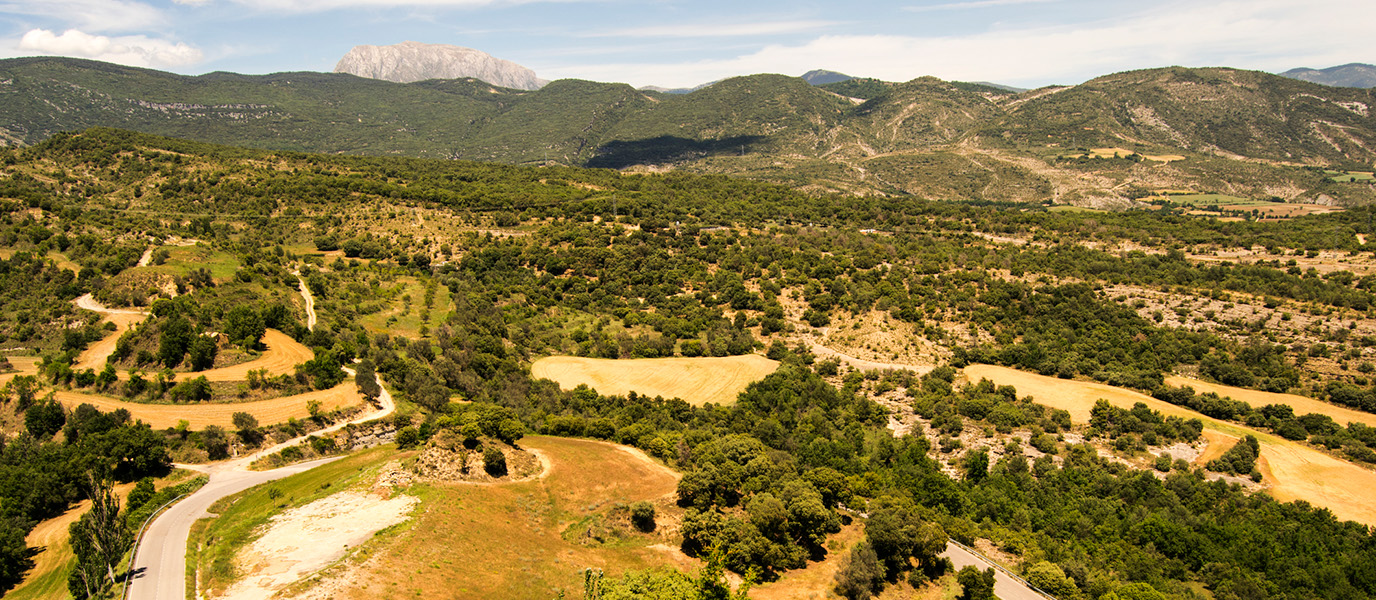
[414,61]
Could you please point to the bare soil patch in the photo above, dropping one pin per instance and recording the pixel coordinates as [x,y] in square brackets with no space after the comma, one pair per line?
[1293,471]
[303,540]
[696,380]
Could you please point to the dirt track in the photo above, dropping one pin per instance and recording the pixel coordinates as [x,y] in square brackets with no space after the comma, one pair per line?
[866,365]
[277,410]
[697,380]
[1293,471]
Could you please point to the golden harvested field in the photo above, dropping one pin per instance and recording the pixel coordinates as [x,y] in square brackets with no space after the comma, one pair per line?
[277,410]
[504,540]
[23,365]
[697,380]
[1294,471]
[280,358]
[1258,399]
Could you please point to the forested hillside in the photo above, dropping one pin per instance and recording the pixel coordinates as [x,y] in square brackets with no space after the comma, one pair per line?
[1244,134]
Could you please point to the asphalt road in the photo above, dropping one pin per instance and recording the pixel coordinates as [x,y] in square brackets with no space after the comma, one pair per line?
[160,564]
[1006,587]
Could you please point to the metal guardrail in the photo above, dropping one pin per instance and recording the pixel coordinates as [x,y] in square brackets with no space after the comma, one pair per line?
[138,541]
[992,563]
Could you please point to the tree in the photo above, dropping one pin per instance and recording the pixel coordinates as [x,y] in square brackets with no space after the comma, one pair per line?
[14,553]
[861,576]
[494,462]
[643,516]
[45,418]
[201,353]
[99,540]
[176,338]
[23,389]
[244,326]
[977,465]
[143,492]
[976,584]
[247,425]
[365,377]
[1048,577]
[243,420]
[1134,591]
[214,441]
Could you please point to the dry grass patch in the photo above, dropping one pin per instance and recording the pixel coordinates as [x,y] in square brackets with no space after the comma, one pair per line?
[697,380]
[1293,471]
[505,540]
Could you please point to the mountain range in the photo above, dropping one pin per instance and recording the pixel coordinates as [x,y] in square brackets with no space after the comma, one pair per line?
[1244,133]
[1356,75]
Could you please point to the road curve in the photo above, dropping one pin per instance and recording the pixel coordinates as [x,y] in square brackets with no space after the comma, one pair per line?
[159,564]
[1006,585]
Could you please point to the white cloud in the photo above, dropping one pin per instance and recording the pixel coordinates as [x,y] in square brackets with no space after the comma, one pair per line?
[90,15]
[1258,34]
[718,29]
[133,50]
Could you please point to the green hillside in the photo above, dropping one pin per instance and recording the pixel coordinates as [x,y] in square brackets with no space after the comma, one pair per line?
[1242,133]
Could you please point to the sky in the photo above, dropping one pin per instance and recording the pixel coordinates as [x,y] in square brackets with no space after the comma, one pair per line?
[679,43]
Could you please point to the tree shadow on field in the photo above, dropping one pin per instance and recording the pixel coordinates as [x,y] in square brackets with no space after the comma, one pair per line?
[668,149]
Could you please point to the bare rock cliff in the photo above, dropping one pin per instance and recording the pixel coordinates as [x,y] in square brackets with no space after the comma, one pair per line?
[414,61]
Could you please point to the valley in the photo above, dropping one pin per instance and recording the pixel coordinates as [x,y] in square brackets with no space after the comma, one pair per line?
[679,381]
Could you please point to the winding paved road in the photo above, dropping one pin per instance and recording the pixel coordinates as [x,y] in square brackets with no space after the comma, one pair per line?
[159,563]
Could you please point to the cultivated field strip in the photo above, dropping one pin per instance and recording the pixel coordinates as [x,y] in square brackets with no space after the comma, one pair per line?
[1294,471]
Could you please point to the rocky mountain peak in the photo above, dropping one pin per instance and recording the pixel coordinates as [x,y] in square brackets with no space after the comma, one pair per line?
[414,61]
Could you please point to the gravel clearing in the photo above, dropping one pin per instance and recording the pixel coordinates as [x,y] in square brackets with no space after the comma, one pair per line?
[304,540]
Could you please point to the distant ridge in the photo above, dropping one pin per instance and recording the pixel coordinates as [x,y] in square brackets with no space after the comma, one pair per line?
[1355,75]
[413,61]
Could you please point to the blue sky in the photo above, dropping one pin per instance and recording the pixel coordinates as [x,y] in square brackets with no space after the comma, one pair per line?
[675,43]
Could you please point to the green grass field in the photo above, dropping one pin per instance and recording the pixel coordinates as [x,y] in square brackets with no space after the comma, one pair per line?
[1350,176]
[1200,200]
[396,319]
[185,259]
